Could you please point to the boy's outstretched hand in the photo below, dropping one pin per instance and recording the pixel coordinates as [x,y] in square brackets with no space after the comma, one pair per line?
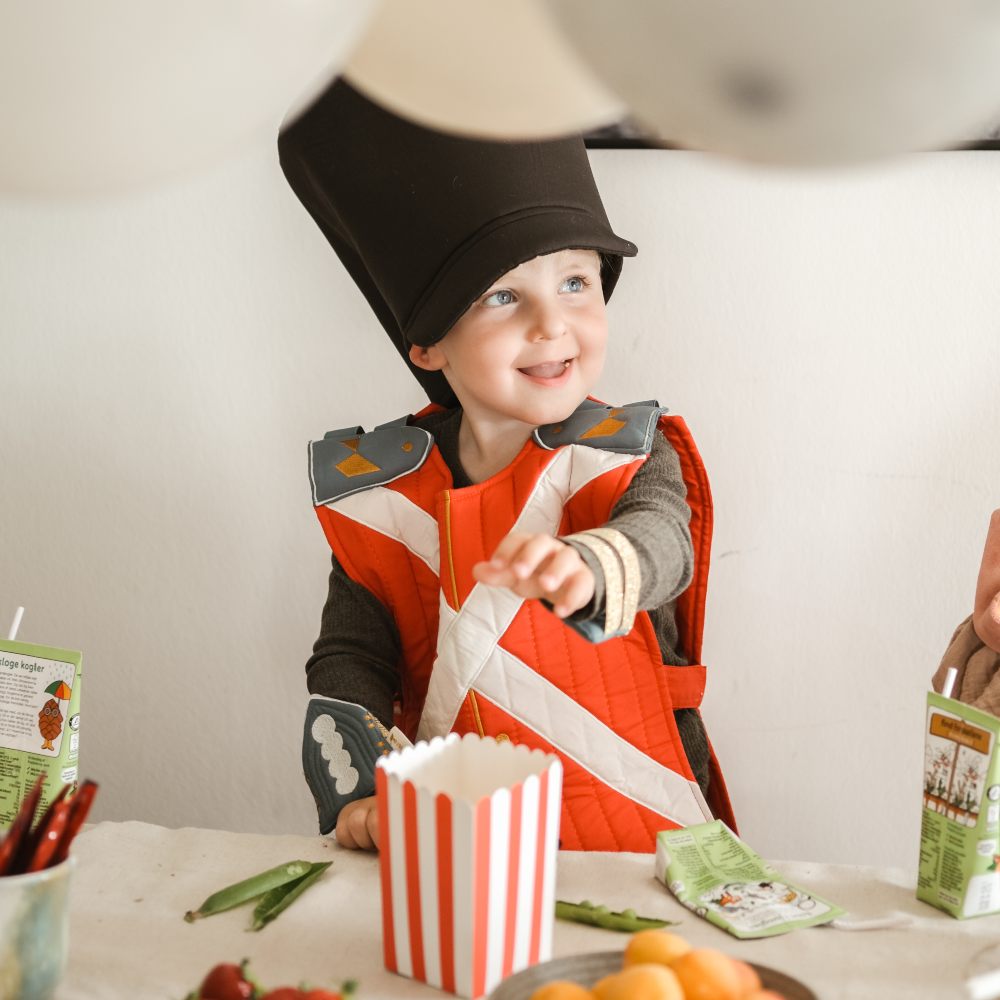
[539,566]
[986,615]
[357,825]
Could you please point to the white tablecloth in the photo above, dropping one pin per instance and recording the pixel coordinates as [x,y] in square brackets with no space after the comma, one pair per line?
[133,882]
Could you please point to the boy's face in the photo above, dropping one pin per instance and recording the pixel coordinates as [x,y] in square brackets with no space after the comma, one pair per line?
[531,347]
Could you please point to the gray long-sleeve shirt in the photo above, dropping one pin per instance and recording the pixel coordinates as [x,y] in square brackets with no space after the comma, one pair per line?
[356,657]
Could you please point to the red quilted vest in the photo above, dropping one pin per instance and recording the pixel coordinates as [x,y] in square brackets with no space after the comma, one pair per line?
[478,659]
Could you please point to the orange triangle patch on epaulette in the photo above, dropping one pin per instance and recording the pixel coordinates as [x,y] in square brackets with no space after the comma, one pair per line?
[608,427]
[356,465]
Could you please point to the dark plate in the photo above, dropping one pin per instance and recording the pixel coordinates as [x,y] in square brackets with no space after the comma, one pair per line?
[587,969]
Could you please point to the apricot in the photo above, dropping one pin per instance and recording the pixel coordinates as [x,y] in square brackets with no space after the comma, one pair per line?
[763,995]
[639,982]
[562,989]
[749,980]
[658,946]
[708,974]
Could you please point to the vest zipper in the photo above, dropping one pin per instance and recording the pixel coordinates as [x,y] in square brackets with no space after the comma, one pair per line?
[471,696]
[451,559]
[475,712]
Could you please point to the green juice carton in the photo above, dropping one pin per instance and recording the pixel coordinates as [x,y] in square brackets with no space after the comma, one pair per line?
[960,827]
[39,722]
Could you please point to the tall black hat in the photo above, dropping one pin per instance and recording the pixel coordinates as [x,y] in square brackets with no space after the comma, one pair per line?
[426,221]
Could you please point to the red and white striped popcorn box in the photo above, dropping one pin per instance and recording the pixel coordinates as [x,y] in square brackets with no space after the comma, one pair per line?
[469,832]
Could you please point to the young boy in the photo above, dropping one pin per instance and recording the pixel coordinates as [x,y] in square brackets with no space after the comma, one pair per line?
[515,560]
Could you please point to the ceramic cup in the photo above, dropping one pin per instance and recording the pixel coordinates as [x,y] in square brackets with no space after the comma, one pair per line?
[34,932]
[468,838]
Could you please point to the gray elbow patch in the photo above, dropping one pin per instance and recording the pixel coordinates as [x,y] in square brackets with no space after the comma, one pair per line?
[341,744]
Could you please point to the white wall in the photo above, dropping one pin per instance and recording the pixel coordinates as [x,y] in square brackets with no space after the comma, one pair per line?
[831,339]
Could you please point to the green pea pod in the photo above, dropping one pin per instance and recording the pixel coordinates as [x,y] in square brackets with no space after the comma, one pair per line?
[600,916]
[250,888]
[282,896]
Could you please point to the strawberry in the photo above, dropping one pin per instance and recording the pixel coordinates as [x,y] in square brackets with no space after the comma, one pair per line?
[226,981]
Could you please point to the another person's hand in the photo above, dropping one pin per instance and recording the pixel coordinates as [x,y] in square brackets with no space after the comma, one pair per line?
[986,614]
[357,825]
[539,566]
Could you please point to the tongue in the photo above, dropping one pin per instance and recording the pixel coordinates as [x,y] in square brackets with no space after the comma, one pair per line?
[550,370]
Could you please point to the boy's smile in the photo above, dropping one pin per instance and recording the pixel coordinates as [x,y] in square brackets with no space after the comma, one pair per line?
[549,372]
[528,351]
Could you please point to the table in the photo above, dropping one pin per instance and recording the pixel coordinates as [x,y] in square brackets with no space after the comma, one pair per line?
[134,881]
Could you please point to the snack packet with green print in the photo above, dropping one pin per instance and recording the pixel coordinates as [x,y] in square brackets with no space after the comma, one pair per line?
[712,872]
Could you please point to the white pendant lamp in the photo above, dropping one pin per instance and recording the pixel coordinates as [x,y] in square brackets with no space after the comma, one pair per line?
[483,69]
[108,95]
[796,81]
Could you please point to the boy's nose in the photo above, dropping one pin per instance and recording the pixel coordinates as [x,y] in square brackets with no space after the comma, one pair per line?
[548,323]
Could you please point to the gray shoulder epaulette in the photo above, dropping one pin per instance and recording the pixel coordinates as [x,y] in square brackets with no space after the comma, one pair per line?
[628,429]
[349,460]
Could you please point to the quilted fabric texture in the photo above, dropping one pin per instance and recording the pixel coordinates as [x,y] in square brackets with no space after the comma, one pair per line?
[417,558]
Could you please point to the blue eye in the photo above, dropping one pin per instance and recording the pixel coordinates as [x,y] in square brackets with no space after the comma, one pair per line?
[578,284]
[501,297]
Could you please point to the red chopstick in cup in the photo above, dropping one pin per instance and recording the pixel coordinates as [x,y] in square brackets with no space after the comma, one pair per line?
[79,806]
[29,850]
[48,832]
[30,843]
[12,847]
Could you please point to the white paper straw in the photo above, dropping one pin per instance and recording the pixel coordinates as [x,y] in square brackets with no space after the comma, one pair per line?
[15,624]
[887,922]
[949,681]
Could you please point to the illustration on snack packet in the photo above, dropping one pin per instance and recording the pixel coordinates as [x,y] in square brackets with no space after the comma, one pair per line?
[956,758]
[50,718]
[736,899]
[35,697]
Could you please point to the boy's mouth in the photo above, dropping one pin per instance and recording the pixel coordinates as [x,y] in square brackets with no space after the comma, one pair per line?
[548,370]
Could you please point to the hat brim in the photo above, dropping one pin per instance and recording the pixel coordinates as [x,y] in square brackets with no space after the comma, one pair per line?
[510,241]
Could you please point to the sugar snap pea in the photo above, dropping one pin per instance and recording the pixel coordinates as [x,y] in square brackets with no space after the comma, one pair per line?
[600,916]
[282,896]
[250,888]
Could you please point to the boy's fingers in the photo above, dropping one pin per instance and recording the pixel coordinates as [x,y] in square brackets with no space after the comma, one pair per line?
[343,832]
[527,589]
[530,565]
[578,590]
[486,572]
[358,824]
[353,824]
[531,554]
[508,548]
[553,572]
[492,577]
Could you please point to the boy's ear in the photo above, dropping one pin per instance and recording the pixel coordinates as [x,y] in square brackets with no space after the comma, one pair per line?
[430,358]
